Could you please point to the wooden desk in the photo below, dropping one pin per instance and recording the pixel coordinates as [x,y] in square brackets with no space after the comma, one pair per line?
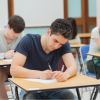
[4,63]
[84,35]
[77,81]
[94,54]
[76,45]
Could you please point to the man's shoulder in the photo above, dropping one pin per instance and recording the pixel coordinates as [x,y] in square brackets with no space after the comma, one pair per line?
[95,29]
[29,35]
[33,36]
[66,47]
[66,44]
[95,32]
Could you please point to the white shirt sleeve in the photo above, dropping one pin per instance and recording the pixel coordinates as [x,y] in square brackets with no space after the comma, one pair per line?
[95,33]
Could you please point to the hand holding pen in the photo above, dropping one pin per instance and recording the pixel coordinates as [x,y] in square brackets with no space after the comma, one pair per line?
[49,66]
[59,75]
[9,54]
[46,74]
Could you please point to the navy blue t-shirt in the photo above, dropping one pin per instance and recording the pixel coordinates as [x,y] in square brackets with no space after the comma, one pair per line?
[37,59]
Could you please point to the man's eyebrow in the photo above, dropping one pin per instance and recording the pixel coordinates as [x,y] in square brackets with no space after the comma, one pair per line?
[59,42]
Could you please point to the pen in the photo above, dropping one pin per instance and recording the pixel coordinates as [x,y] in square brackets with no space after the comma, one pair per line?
[49,66]
[62,68]
[8,48]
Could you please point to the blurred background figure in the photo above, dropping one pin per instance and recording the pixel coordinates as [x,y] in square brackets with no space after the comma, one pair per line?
[75,38]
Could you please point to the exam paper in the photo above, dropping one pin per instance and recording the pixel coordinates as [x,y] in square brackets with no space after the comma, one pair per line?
[8,60]
[42,81]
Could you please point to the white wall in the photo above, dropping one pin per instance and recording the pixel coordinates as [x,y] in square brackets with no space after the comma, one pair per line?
[39,12]
[98,11]
[3,12]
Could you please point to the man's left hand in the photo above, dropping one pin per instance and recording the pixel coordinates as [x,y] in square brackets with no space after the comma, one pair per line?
[59,76]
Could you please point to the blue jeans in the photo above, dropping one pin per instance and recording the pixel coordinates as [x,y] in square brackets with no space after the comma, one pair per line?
[54,95]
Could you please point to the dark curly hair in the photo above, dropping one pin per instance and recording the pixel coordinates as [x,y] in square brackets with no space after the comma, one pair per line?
[73,23]
[16,23]
[62,27]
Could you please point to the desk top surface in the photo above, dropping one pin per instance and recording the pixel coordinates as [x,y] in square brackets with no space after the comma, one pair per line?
[2,62]
[94,54]
[84,35]
[78,80]
[76,45]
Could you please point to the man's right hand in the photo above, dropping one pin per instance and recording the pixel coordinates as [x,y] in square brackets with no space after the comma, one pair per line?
[9,54]
[45,74]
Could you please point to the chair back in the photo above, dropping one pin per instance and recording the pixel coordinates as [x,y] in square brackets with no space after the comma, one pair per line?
[84,49]
[61,63]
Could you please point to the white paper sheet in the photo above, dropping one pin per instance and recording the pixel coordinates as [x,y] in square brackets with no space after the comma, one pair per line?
[33,89]
[42,81]
[8,60]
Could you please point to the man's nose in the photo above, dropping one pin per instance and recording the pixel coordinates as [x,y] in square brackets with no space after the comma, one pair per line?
[57,46]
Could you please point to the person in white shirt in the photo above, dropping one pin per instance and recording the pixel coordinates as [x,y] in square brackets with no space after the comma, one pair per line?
[9,38]
[94,47]
[75,38]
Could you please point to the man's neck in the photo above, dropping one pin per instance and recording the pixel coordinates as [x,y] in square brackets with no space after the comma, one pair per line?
[44,45]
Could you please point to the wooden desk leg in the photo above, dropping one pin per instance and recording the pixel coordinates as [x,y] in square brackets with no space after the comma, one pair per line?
[16,93]
[94,93]
[79,60]
[78,94]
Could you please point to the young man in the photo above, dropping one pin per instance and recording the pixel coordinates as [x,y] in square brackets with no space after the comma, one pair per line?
[9,38]
[34,52]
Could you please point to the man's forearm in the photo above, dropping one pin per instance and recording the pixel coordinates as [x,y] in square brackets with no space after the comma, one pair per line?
[19,71]
[70,72]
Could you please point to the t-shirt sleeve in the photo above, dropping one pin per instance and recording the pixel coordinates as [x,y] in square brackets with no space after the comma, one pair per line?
[65,49]
[95,33]
[23,46]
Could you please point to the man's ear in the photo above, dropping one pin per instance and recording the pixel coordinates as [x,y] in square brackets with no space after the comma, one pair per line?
[8,26]
[48,31]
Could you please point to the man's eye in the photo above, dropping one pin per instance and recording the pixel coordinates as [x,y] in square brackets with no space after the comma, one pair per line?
[55,40]
[61,44]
